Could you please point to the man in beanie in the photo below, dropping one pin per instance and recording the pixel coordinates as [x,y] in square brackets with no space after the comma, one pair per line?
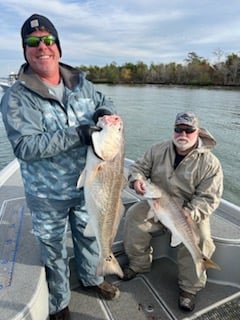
[49,115]
[186,168]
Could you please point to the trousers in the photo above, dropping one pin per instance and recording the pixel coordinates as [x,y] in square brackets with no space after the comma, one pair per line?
[137,243]
[50,228]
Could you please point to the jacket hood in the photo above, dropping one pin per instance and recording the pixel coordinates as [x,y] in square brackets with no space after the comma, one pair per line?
[71,78]
[207,140]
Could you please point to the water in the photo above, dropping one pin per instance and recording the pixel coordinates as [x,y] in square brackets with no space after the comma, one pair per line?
[149,113]
[6,154]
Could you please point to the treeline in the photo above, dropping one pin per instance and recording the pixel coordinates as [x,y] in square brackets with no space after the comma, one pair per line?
[195,71]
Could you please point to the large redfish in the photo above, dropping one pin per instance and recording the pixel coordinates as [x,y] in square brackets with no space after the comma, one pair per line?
[183,229]
[103,180]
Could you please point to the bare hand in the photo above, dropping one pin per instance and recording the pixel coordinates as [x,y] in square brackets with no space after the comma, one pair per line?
[139,187]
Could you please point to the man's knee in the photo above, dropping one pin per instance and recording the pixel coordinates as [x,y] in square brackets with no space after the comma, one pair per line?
[137,212]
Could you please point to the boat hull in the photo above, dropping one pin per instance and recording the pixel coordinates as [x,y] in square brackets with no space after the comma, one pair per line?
[150,295]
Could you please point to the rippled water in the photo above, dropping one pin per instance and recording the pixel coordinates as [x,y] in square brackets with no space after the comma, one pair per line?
[149,112]
[6,154]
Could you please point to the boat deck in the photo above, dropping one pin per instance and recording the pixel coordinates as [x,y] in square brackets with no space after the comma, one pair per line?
[154,295]
[150,296]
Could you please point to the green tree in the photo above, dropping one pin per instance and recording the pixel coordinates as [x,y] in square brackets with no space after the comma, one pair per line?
[233,67]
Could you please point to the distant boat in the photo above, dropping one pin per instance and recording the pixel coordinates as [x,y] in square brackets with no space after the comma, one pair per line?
[6,83]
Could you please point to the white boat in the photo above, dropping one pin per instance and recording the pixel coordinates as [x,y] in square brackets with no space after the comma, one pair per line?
[149,296]
[6,83]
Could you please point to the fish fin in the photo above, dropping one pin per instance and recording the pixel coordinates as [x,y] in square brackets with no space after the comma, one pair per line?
[205,263]
[94,173]
[81,179]
[193,226]
[208,263]
[151,214]
[96,144]
[156,204]
[88,231]
[175,241]
[117,221]
[109,265]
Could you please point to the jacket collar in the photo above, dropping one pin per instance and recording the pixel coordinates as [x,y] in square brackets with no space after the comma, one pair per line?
[71,78]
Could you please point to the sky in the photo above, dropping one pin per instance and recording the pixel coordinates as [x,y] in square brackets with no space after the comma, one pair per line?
[100,32]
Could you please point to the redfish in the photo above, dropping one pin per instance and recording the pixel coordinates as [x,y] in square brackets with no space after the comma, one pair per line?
[183,229]
[103,181]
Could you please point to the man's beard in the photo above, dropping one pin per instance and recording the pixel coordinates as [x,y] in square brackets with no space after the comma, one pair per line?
[187,143]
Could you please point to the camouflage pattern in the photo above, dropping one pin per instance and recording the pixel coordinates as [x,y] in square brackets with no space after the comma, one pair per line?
[187,118]
[50,228]
[42,131]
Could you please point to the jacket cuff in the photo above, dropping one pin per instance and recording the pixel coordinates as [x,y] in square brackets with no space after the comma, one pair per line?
[100,113]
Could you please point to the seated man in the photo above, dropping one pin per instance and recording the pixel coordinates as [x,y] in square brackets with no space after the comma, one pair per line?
[187,169]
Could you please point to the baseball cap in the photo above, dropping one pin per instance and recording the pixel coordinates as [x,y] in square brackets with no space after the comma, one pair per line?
[187,118]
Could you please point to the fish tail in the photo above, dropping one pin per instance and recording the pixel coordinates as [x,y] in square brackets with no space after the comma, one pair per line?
[208,263]
[109,265]
[205,263]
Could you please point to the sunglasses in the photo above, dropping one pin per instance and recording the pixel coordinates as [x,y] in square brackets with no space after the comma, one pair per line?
[187,130]
[34,41]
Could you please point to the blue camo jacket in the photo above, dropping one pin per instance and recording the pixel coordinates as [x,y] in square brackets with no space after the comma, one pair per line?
[42,132]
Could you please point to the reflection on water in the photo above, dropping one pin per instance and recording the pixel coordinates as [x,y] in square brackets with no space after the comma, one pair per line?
[149,113]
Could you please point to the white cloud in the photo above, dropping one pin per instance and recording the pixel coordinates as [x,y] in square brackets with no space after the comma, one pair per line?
[97,32]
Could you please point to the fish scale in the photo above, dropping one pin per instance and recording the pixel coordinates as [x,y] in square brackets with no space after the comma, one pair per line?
[102,180]
[11,220]
[183,229]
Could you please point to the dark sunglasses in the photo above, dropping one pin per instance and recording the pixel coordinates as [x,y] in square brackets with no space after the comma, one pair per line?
[34,41]
[187,130]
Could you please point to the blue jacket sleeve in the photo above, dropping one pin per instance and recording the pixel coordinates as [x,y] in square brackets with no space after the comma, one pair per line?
[24,130]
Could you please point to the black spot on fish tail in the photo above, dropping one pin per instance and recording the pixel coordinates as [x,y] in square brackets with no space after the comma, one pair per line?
[208,263]
[109,265]
[109,258]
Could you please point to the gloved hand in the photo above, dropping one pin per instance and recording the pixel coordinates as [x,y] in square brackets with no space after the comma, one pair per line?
[100,113]
[85,132]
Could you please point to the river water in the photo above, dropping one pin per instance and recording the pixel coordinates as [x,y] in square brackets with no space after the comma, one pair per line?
[149,113]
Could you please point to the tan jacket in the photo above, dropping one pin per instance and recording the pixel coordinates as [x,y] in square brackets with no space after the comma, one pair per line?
[197,181]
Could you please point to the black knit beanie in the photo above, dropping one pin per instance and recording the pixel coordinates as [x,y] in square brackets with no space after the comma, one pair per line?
[35,23]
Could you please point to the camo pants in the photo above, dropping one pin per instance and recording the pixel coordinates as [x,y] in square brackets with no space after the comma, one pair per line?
[50,228]
[137,242]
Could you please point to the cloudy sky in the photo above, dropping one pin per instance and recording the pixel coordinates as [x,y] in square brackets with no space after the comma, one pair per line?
[98,32]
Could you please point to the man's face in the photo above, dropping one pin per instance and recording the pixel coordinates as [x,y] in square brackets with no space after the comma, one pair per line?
[185,137]
[44,59]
